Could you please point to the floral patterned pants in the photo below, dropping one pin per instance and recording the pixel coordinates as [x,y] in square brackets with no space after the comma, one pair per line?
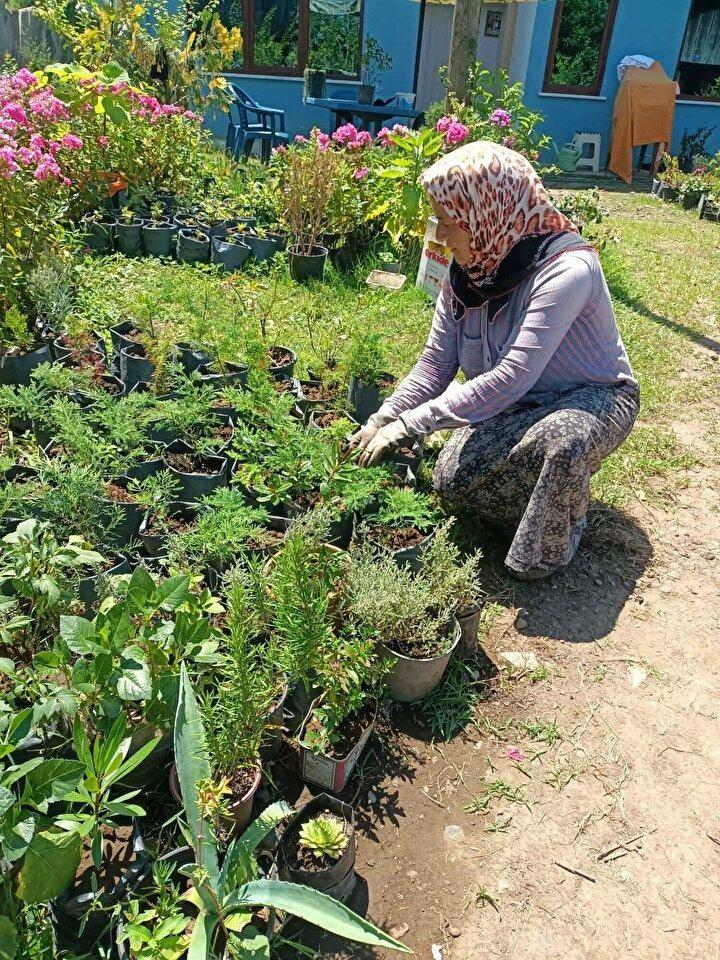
[531,466]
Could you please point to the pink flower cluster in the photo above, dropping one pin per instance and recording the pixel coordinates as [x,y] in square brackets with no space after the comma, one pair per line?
[349,137]
[29,115]
[384,135]
[455,131]
[150,108]
[500,118]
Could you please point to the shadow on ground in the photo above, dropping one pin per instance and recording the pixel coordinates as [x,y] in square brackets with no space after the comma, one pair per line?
[582,603]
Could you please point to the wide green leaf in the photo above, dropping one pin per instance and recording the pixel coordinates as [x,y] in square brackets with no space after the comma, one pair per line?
[49,866]
[7,799]
[76,632]
[9,942]
[135,681]
[170,594]
[313,907]
[238,866]
[16,833]
[53,780]
[251,944]
[200,944]
[139,589]
[191,758]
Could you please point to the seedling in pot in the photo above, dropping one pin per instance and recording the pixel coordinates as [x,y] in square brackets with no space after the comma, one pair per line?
[404,519]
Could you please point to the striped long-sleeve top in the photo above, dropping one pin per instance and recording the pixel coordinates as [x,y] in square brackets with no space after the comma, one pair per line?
[555,331]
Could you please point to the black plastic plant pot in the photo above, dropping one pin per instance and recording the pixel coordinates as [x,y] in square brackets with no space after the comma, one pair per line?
[191,358]
[365,399]
[155,544]
[671,194]
[264,248]
[195,485]
[120,339]
[689,201]
[112,385]
[147,468]
[307,266]
[88,586]
[193,246]
[272,738]
[152,772]
[336,880]
[126,530]
[83,922]
[158,239]
[330,772]
[128,237]
[284,370]
[135,366]
[411,557]
[306,403]
[414,678]
[409,455]
[99,235]
[16,370]
[223,374]
[188,220]
[229,254]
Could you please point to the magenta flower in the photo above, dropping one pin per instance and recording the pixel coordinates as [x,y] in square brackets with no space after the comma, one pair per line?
[103,141]
[72,142]
[456,133]
[383,137]
[24,78]
[13,111]
[512,753]
[500,118]
[400,130]
[361,173]
[299,138]
[8,164]
[348,132]
[443,124]
[509,142]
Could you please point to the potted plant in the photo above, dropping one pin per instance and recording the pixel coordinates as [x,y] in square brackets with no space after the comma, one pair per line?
[158,233]
[104,828]
[317,847]
[230,252]
[692,188]
[135,367]
[337,423]
[315,394]
[314,83]
[309,180]
[403,524]
[238,896]
[368,380]
[193,245]
[20,351]
[163,520]
[671,178]
[263,243]
[128,232]
[419,642]
[196,473]
[349,673]
[374,62]
[99,231]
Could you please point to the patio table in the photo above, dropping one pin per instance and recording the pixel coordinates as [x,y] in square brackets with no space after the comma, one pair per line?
[370,116]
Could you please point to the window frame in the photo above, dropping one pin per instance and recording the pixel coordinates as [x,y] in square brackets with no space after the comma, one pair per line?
[694,97]
[249,66]
[593,89]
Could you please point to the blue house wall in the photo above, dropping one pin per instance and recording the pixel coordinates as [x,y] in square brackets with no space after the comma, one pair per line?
[393,23]
[654,28]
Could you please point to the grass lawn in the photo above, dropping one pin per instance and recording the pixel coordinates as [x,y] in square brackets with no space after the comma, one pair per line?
[663,269]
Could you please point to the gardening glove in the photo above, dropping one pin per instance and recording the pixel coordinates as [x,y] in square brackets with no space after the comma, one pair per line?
[385,440]
[364,435]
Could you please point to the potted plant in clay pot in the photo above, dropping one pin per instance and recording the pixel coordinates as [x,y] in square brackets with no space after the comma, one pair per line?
[411,614]
[368,380]
[317,847]
[374,62]
[158,233]
[20,350]
[309,182]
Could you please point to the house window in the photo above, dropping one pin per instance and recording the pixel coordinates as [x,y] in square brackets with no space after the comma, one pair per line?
[282,37]
[698,71]
[579,45]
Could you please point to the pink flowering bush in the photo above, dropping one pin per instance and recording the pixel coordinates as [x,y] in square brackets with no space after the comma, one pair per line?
[62,143]
[454,132]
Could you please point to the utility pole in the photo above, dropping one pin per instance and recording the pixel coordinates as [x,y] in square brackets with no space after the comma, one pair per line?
[463,42]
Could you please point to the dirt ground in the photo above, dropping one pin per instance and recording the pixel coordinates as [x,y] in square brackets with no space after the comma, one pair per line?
[604,840]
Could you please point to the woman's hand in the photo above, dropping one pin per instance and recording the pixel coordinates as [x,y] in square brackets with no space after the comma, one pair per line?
[364,435]
[383,441]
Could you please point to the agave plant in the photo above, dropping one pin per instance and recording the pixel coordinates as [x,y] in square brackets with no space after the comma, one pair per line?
[323,837]
[224,895]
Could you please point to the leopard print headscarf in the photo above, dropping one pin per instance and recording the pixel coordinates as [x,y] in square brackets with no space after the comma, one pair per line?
[495,195]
